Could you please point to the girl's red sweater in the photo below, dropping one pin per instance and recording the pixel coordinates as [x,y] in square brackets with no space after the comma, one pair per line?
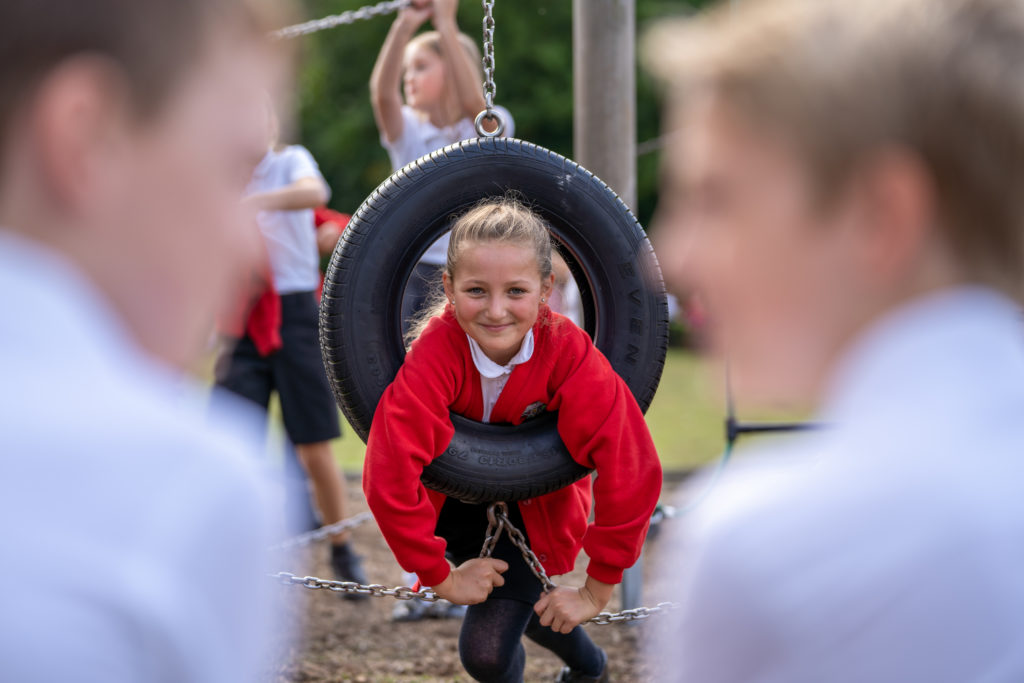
[598,419]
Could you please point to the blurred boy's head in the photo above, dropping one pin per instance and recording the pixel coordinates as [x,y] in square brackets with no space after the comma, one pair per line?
[128,131]
[834,160]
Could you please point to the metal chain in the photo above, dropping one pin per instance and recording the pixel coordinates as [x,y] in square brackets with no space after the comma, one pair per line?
[637,614]
[377,590]
[323,532]
[349,17]
[489,87]
[497,521]
[373,589]
[495,524]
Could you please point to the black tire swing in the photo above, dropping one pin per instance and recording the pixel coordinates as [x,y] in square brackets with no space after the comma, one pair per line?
[624,304]
[625,310]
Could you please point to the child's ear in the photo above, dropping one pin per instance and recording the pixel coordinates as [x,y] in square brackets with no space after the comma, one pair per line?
[898,227]
[449,291]
[546,285]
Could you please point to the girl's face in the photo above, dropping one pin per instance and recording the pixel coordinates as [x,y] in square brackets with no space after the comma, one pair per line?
[497,291]
[423,77]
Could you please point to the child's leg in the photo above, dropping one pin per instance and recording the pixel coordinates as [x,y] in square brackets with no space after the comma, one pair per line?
[575,648]
[490,643]
[328,483]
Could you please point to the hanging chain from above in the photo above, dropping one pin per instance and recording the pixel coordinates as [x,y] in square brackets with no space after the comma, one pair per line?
[498,521]
[349,17]
[489,87]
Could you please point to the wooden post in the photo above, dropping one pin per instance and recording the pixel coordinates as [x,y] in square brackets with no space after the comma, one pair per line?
[604,125]
[604,92]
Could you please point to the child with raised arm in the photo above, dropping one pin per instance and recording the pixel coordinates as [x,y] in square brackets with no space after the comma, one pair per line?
[285,188]
[439,73]
[495,352]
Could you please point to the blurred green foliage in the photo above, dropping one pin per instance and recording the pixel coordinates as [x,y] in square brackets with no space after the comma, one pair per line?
[533,46]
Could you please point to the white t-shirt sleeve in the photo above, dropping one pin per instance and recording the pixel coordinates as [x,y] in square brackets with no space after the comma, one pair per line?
[420,137]
[404,148]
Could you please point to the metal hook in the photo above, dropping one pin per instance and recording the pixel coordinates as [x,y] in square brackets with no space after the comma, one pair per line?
[493,512]
[490,115]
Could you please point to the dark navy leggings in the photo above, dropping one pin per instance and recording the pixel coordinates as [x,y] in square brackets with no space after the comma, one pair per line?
[491,648]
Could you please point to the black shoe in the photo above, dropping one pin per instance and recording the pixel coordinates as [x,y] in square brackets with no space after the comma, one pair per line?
[348,566]
[568,675]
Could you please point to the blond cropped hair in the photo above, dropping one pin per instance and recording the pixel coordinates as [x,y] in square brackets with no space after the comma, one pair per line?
[841,79]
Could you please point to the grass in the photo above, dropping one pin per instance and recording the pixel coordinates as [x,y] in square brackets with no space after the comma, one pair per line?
[685,419]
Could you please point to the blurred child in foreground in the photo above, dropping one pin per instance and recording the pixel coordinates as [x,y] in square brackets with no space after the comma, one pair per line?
[845,196]
[134,522]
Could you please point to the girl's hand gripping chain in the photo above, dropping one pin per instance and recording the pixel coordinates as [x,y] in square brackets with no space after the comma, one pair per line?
[472,581]
[416,13]
[565,608]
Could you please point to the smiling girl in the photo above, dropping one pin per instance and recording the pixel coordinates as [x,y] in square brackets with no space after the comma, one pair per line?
[495,352]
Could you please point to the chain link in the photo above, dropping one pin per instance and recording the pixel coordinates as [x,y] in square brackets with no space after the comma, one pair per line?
[490,89]
[377,590]
[323,532]
[497,521]
[637,614]
[495,524]
[373,589]
[349,17]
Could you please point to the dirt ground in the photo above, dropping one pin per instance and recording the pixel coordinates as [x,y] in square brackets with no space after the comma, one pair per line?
[341,640]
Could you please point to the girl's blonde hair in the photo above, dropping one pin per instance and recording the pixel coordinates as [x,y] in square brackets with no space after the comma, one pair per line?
[504,221]
[432,39]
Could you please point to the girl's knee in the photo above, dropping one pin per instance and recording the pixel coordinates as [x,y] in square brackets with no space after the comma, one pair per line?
[493,665]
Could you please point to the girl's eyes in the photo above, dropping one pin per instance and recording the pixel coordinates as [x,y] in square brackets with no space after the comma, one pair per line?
[479,291]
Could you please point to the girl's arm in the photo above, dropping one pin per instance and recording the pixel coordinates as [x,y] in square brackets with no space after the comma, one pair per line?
[411,425]
[386,79]
[467,87]
[304,193]
[603,428]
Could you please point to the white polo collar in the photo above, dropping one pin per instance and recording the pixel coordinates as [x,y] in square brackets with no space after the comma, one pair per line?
[491,370]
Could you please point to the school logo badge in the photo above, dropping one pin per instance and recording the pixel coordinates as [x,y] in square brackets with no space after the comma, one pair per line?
[533,410]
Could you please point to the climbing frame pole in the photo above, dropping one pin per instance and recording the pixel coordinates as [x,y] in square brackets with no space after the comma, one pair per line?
[604,124]
[604,92]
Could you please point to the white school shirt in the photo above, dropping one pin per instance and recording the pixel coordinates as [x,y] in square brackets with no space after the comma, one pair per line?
[133,524]
[420,137]
[888,546]
[290,235]
[494,377]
